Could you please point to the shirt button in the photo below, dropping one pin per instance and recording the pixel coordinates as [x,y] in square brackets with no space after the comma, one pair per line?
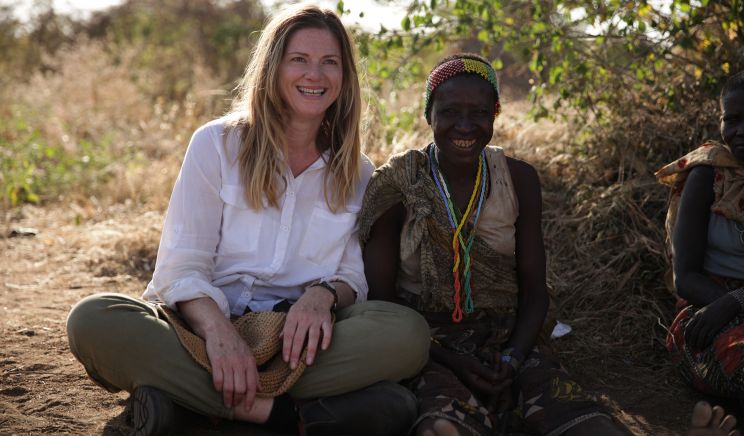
[285,228]
[290,193]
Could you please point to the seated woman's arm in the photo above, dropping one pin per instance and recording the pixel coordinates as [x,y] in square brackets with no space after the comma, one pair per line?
[234,371]
[382,254]
[690,237]
[309,323]
[185,265]
[530,255]
[349,281]
[689,242]
[186,255]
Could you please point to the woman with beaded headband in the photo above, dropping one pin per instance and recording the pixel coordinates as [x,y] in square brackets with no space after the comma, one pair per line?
[263,220]
[454,231]
[705,238]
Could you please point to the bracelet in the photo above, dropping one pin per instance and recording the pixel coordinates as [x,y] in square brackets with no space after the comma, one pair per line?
[331,289]
[512,357]
[738,295]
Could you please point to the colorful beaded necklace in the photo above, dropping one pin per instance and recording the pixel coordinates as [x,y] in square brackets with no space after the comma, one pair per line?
[460,247]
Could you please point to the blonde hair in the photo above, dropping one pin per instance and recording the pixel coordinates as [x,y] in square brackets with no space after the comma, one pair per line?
[261,112]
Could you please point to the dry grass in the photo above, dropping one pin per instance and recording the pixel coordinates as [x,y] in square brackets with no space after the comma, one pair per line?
[606,258]
[93,105]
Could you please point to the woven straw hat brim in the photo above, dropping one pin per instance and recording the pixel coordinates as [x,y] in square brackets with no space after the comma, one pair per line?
[261,331]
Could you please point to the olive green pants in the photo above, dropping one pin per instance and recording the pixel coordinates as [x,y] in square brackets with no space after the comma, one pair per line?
[123,343]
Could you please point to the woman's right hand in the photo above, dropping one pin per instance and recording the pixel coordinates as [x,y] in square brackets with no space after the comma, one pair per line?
[705,324]
[234,371]
[480,379]
[504,400]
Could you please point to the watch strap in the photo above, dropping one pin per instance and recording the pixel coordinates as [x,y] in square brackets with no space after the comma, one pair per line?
[331,289]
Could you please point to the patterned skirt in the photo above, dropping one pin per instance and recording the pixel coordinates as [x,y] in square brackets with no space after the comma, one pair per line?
[547,401]
[718,369]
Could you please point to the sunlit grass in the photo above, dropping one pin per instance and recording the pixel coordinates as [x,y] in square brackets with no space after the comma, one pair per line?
[88,128]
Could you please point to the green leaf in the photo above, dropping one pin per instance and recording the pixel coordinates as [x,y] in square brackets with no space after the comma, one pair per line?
[582,69]
[555,74]
[406,23]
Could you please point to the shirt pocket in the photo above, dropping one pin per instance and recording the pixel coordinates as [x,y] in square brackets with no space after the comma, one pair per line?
[241,224]
[326,236]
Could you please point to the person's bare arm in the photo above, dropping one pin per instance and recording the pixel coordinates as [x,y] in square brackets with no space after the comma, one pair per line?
[690,237]
[530,256]
[382,254]
[689,242]
[234,371]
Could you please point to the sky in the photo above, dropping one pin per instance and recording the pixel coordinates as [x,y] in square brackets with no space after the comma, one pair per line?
[374,13]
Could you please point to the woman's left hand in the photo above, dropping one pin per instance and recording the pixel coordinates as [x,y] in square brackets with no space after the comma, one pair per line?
[708,321]
[308,320]
[504,400]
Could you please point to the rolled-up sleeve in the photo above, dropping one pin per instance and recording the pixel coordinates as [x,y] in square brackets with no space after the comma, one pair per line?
[188,246]
[351,268]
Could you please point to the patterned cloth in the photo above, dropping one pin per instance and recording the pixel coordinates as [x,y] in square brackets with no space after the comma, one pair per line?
[547,400]
[718,369]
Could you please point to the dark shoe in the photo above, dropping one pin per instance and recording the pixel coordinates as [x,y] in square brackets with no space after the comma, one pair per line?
[385,408]
[152,412]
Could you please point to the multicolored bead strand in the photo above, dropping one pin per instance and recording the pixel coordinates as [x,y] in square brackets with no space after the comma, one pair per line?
[460,248]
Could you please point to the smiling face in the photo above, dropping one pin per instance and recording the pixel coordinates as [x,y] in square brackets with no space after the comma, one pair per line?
[462,115]
[732,121]
[310,74]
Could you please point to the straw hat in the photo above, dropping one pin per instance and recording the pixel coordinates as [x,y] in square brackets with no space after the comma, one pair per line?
[262,332]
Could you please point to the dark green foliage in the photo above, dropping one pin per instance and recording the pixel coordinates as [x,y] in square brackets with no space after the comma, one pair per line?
[643,76]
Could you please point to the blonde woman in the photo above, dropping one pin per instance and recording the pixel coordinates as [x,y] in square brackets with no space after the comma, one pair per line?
[263,217]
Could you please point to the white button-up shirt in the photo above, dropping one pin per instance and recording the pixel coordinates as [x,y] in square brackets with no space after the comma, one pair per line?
[215,245]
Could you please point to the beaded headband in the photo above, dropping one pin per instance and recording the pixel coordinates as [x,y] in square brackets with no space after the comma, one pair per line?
[454,68]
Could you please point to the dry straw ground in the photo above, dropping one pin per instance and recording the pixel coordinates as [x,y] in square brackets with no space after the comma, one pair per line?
[604,245]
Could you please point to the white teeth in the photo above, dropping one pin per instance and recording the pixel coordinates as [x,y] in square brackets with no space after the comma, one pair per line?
[309,91]
[463,143]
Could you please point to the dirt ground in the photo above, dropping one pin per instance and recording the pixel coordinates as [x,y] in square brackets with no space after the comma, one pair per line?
[77,251]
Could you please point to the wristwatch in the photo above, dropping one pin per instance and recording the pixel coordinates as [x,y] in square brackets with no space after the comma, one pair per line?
[331,289]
